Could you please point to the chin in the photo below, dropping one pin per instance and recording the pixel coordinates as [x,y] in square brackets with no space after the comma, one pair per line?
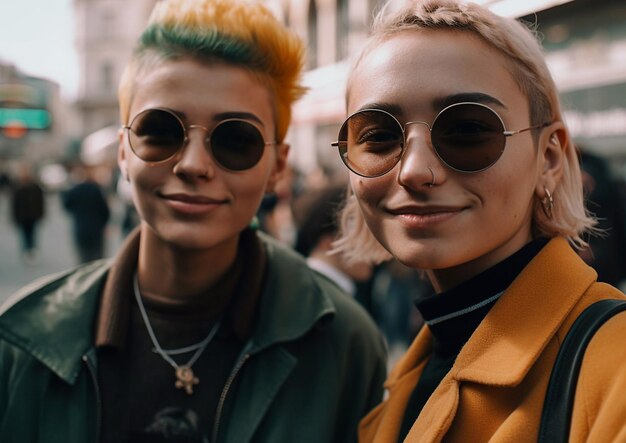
[191,237]
[416,255]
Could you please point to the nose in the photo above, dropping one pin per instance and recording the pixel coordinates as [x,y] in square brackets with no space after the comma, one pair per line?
[194,159]
[418,158]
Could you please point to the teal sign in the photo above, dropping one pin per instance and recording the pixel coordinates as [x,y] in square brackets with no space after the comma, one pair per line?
[28,118]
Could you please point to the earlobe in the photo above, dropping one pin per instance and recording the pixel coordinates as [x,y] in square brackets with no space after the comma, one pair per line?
[553,144]
[282,151]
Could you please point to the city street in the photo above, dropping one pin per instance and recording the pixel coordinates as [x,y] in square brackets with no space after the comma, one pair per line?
[56,251]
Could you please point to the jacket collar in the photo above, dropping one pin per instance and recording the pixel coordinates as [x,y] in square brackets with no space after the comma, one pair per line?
[53,319]
[292,301]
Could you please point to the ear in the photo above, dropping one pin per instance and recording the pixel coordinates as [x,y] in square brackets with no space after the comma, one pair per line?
[553,142]
[282,150]
[121,156]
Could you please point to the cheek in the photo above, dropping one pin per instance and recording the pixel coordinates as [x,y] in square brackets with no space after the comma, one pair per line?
[249,187]
[369,192]
[508,196]
[361,190]
[140,185]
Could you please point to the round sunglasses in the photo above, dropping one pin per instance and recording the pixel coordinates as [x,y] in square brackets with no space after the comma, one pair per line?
[157,135]
[467,137]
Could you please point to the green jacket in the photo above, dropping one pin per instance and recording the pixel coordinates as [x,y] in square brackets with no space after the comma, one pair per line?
[313,367]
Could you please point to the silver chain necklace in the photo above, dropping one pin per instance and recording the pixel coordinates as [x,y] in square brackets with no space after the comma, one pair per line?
[185,378]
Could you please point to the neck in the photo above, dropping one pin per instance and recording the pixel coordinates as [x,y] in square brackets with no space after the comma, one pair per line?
[448,278]
[173,273]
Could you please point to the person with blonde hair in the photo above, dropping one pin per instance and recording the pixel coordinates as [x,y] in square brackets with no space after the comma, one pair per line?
[462,166]
[201,328]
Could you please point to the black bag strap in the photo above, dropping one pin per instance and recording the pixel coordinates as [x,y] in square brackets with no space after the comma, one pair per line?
[559,401]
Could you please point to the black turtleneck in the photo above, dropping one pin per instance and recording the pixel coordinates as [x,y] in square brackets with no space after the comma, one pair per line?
[453,316]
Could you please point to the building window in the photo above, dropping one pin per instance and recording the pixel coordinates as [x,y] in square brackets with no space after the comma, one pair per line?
[107,24]
[286,15]
[343,27]
[106,77]
[312,33]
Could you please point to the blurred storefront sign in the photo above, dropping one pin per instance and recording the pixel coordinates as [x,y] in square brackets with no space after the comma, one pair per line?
[26,118]
[31,126]
[597,118]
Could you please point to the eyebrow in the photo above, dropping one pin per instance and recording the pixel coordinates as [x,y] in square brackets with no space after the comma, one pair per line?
[391,108]
[240,115]
[439,103]
[225,116]
[476,97]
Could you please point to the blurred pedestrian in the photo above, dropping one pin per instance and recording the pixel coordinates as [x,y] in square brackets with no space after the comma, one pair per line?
[606,253]
[27,209]
[130,217]
[316,218]
[201,328]
[395,290]
[6,181]
[88,207]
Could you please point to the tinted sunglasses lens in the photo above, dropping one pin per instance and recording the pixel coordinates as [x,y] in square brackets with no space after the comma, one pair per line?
[370,143]
[156,135]
[237,145]
[468,137]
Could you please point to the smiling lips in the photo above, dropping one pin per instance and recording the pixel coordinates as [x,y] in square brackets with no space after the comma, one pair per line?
[424,216]
[191,204]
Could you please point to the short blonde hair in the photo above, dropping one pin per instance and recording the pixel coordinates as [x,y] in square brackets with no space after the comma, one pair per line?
[238,32]
[526,62]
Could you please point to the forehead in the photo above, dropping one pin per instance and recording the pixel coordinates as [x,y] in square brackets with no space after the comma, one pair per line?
[200,89]
[418,68]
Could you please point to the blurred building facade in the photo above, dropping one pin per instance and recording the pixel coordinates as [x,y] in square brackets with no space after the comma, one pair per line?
[585,41]
[32,127]
[105,33]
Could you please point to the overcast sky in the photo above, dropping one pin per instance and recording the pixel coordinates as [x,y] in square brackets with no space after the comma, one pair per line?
[38,37]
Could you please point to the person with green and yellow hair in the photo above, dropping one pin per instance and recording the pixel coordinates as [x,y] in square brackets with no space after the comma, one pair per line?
[201,328]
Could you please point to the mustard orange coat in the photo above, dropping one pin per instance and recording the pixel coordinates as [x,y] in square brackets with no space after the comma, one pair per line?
[496,387]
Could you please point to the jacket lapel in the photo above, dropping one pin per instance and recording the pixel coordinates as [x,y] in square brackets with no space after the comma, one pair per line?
[291,302]
[290,306]
[66,304]
[265,377]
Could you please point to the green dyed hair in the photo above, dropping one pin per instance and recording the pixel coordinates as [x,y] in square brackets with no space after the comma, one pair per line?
[241,33]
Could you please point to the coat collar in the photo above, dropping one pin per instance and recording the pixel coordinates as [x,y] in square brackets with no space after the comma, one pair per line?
[510,339]
[53,319]
[512,336]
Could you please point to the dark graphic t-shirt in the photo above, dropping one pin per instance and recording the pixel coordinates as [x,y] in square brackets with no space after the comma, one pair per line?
[170,425]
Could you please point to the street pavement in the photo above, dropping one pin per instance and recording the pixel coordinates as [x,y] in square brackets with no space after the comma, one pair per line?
[56,250]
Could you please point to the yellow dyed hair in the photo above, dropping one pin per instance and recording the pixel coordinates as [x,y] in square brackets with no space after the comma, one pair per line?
[241,33]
